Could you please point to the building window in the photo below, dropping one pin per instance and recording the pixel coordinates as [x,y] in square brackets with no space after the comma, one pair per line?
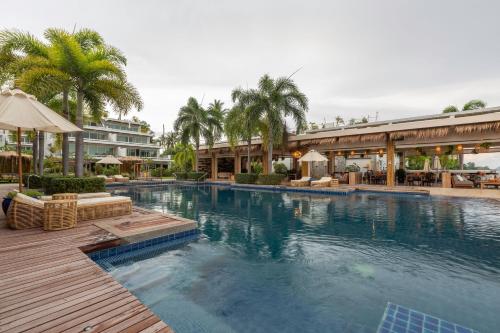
[132,138]
[141,152]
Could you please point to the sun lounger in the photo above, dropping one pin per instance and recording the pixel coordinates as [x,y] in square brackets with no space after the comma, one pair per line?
[324,181]
[26,212]
[121,179]
[107,179]
[80,196]
[459,181]
[304,181]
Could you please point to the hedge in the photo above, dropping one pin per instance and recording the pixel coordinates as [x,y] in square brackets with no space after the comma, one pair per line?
[32,181]
[75,185]
[272,179]
[190,175]
[246,178]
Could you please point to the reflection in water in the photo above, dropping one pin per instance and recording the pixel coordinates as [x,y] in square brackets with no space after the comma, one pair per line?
[321,262]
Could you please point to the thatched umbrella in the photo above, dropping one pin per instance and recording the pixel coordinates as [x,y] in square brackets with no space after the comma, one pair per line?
[22,112]
[109,160]
[312,156]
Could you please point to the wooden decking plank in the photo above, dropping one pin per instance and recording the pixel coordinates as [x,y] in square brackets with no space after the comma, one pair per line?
[77,313]
[49,284]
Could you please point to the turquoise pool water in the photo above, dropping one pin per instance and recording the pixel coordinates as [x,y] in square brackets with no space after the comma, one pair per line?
[292,262]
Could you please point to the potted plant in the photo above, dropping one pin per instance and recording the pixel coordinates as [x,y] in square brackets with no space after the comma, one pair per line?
[8,198]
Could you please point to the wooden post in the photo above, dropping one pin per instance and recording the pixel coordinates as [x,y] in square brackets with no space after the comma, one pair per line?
[331,162]
[20,160]
[390,161]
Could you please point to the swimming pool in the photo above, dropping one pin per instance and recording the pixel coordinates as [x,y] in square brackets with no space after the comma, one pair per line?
[295,262]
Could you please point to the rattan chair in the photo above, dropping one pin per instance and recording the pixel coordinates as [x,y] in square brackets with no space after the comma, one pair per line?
[60,214]
[25,212]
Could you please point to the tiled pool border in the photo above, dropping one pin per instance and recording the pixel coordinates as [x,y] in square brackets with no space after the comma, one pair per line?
[399,319]
[167,240]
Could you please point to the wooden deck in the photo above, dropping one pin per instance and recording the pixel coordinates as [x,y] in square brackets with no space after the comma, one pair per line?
[47,284]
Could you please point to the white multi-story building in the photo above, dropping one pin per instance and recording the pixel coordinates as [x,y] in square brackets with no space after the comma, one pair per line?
[119,138]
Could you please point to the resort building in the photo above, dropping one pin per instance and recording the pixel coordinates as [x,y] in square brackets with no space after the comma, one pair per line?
[381,146]
[119,138]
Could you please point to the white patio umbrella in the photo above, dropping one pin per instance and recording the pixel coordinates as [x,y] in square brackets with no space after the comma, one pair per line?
[427,166]
[437,163]
[312,156]
[22,112]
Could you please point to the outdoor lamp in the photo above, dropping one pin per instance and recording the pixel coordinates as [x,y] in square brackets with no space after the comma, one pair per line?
[381,153]
[296,154]
[460,148]
[438,149]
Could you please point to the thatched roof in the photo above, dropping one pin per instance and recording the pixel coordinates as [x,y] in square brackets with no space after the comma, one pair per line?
[478,128]
[9,154]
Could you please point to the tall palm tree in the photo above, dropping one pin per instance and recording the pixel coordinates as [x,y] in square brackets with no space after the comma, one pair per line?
[216,113]
[97,76]
[242,122]
[192,124]
[276,99]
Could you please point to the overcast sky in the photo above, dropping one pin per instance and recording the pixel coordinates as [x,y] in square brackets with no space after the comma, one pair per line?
[398,58]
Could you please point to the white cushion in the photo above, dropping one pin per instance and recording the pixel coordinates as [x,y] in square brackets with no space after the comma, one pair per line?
[460,178]
[29,200]
[94,201]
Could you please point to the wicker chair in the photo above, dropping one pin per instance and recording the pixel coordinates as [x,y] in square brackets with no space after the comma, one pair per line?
[60,214]
[25,212]
[98,208]
[304,181]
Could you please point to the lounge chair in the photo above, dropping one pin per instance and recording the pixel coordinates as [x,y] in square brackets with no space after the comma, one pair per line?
[79,196]
[121,179]
[459,181]
[107,179]
[304,181]
[324,181]
[26,212]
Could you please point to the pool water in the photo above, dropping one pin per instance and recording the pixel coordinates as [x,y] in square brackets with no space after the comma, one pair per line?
[295,262]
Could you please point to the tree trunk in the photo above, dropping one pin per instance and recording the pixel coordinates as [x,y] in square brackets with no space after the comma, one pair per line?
[65,140]
[249,166]
[196,157]
[79,135]
[270,152]
[34,149]
[41,151]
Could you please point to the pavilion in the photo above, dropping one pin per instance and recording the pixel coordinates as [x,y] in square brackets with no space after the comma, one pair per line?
[467,132]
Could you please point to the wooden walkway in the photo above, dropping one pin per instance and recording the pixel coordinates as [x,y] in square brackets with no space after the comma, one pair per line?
[47,284]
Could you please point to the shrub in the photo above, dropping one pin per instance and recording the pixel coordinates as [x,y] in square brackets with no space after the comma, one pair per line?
[280,168]
[111,171]
[75,185]
[181,175]
[272,179]
[353,168]
[246,178]
[99,169]
[196,175]
[161,172]
[32,181]
[29,193]
[256,167]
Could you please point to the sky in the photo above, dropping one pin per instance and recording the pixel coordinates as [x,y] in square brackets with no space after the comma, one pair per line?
[396,58]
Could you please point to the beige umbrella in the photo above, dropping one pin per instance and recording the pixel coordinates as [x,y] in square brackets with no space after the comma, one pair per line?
[20,111]
[312,156]
[109,160]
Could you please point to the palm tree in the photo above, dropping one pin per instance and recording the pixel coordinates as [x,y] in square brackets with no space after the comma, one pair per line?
[216,113]
[473,104]
[194,123]
[339,120]
[242,122]
[97,76]
[184,156]
[274,100]
[79,62]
